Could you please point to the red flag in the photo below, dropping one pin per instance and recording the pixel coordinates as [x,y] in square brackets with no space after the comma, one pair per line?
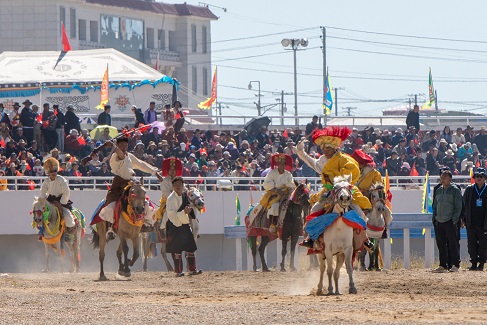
[178,116]
[2,143]
[208,102]
[55,113]
[284,134]
[81,141]
[32,185]
[414,172]
[39,118]
[477,164]
[65,40]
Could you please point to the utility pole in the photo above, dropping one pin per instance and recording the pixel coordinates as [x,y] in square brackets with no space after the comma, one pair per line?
[409,103]
[436,102]
[349,110]
[415,99]
[323,39]
[282,107]
[220,112]
[336,99]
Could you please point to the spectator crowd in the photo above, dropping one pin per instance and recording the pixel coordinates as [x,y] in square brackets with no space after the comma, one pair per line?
[28,136]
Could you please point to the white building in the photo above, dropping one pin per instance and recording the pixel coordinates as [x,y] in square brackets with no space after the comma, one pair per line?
[178,33]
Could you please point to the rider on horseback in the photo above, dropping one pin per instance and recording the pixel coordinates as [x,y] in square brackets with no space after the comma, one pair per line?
[56,190]
[368,174]
[171,168]
[331,164]
[122,164]
[278,183]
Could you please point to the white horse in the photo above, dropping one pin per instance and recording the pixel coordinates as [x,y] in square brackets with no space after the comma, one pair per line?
[378,219]
[149,240]
[337,239]
[47,217]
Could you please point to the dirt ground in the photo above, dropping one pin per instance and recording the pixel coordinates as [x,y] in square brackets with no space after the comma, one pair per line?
[398,296]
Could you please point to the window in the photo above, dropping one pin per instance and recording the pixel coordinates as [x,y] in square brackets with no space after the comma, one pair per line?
[82,29]
[150,38]
[204,40]
[161,39]
[72,22]
[93,31]
[193,38]
[195,80]
[205,81]
[62,17]
[172,41]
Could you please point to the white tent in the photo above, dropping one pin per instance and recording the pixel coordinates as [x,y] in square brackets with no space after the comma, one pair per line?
[74,78]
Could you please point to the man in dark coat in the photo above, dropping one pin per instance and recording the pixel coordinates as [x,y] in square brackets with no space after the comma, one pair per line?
[72,121]
[413,118]
[474,218]
[27,118]
[105,118]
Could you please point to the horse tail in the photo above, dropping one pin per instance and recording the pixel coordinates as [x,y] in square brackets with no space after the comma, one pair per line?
[95,240]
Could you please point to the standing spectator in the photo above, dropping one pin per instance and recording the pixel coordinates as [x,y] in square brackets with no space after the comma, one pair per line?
[178,116]
[14,116]
[481,141]
[28,118]
[469,134]
[413,118]
[447,207]
[49,121]
[458,138]
[262,137]
[61,121]
[4,117]
[311,126]
[150,114]
[72,121]
[105,118]
[475,220]
[139,117]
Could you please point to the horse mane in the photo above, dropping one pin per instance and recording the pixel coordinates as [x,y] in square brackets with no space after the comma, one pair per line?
[341,179]
[377,186]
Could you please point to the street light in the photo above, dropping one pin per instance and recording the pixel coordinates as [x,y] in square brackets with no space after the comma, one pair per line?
[295,43]
[258,103]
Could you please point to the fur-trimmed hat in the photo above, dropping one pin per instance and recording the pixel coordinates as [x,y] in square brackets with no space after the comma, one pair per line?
[51,164]
[331,136]
[276,158]
[168,163]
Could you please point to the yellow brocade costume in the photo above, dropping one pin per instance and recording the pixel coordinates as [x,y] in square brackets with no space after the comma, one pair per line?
[269,198]
[162,209]
[370,177]
[340,165]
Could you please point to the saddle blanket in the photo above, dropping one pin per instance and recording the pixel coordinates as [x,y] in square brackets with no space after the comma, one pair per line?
[317,226]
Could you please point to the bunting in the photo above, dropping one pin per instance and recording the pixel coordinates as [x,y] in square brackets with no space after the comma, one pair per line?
[327,96]
[429,104]
[209,101]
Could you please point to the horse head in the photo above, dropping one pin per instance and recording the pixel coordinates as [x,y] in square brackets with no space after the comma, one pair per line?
[196,198]
[136,196]
[38,209]
[300,194]
[342,192]
[377,196]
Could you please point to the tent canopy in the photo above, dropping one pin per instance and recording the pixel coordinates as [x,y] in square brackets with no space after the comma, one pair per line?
[85,67]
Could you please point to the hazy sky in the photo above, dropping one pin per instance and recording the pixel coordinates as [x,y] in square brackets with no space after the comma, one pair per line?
[376,69]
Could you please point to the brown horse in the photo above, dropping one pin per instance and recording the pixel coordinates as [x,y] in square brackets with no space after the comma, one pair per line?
[48,218]
[131,210]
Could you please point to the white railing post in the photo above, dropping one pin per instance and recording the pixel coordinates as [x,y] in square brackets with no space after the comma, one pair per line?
[429,250]
[407,262]
[387,251]
[238,254]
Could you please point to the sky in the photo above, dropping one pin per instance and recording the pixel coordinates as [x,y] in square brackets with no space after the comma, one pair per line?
[377,52]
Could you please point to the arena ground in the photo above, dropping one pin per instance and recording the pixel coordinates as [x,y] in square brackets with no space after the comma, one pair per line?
[398,296]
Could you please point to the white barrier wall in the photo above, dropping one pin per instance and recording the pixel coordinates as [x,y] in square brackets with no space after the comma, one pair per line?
[220,207]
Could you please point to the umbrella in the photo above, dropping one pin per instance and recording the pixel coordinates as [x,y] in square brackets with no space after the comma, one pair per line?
[160,125]
[97,132]
[265,172]
[254,125]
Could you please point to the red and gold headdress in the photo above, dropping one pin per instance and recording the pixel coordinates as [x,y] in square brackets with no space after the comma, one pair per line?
[361,157]
[170,162]
[331,136]
[282,157]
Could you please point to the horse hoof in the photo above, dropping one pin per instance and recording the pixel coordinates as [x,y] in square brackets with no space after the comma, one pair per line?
[45,271]
[124,273]
[352,291]
[102,278]
[144,270]
[337,293]
[254,269]
[265,270]
[293,269]
[283,269]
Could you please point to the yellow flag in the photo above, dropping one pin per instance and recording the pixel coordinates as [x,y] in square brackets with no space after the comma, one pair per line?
[104,91]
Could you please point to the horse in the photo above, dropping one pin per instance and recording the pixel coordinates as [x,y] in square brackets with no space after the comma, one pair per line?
[292,226]
[157,235]
[131,208]
[378,218]
[48,220]
[337,238]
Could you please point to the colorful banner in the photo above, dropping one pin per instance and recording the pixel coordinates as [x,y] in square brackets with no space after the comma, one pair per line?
[427,196]
[104,91]
[327,96]
[237,218]
[64,39]
[432,98]
[208,102]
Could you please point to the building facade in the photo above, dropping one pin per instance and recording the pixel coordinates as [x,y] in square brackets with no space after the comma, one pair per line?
[176,37]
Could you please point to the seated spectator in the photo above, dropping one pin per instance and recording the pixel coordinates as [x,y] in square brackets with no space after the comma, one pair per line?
[151,149]
[74,172]
[458,138]
[442,148]
[202,160]
[139,150]
[72,144]
[232,150]
[239,172]
[446,134]
[430,142]
[154,136]
[397,137]
[465,151]
[393,164]
[191,161]
[467,167]
[404,171]
[38,169]
[432,162]
[104,137]
[450,161]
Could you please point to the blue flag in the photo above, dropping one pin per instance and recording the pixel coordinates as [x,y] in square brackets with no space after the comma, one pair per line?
[427,197]
[327,96]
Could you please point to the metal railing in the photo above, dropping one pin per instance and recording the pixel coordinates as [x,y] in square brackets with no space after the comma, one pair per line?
[223,183]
